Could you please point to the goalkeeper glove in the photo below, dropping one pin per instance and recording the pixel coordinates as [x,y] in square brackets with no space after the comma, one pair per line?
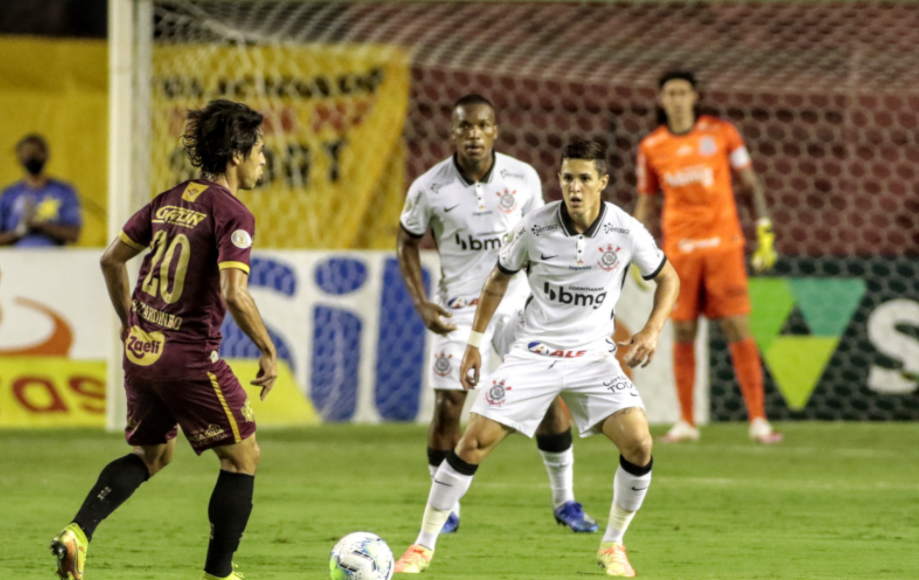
[764,257]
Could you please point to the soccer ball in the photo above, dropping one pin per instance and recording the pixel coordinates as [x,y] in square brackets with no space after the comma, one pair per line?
[361,556]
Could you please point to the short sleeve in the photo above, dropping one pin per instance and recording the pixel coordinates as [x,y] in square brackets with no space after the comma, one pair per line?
[70,214]
[235,232]
[416,215]
[737,151]
[138,232]
[648,183]
[647,257]
[536,196]
[5,211]
[515,254]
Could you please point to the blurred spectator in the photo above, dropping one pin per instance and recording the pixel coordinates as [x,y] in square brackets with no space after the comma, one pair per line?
[38,211]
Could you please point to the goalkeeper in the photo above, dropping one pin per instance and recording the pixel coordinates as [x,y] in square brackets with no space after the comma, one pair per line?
[690,159]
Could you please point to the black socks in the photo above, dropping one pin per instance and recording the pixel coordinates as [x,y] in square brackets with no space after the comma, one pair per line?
[228,512]
[116,483]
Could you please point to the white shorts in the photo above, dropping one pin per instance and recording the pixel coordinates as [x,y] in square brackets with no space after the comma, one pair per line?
[519,392]
[447,351]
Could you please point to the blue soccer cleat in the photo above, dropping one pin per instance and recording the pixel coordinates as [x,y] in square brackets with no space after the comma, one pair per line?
[571,514]
[451,525]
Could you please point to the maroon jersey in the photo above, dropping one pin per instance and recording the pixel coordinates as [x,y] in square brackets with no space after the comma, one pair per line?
[193,231]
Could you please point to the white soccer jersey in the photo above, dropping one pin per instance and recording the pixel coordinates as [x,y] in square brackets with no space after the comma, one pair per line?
[471,221]
[575,279]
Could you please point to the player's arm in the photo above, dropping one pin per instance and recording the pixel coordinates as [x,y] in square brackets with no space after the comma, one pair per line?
[409,257]
[646,210]
[234,288]
[115,271]
[765,256]
[489,300]
[644,343]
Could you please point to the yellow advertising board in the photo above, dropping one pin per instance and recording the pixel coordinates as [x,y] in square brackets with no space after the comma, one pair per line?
[62,392]
[333,123]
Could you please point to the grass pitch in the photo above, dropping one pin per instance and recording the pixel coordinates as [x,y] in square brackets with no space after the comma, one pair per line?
[835,501]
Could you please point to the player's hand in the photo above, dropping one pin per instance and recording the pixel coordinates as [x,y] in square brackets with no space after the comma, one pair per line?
[642,347]
[764,257]
[639,281]
[472,363]
[267,373]
[431,313]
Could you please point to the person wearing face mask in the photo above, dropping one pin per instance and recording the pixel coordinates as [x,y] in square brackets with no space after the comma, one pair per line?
[38,211]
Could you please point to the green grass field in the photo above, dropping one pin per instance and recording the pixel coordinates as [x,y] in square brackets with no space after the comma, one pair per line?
[834,501]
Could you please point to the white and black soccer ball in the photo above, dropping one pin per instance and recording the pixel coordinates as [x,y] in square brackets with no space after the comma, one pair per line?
[361,556]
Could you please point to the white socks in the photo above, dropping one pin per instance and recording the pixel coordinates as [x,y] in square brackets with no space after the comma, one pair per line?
[561,475]
[433,470]
[447,488]
[629,489]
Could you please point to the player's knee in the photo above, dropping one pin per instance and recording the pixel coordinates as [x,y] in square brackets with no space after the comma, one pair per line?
[155,458]
[471,449]
[638,449]
[684,332]
[448,407]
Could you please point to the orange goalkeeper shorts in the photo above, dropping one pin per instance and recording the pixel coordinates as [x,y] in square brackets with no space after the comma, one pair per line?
[712,282]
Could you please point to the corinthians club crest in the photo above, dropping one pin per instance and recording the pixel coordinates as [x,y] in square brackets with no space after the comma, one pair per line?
[495,395]
[442,364]
[609,261]
[508,202]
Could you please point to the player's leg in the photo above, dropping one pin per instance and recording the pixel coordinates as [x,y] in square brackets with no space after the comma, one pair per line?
[230,505]
[151,430]
[628,430]
[555,443]
[449,397]
[214,413]
[450,483]
[685,326]
[728,303]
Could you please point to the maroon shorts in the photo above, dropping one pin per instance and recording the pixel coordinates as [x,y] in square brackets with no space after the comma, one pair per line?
[211,406]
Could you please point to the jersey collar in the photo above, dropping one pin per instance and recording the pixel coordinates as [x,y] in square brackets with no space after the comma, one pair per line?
[568,224]
[485,179]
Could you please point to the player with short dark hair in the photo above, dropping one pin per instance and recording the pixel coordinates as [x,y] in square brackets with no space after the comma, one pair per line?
[471,202]
[575,254]
[200,238]
[690,159]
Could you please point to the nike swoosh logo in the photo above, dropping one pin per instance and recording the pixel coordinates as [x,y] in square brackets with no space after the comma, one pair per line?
[545,257]
[449,209]
[639,488]
[442,483]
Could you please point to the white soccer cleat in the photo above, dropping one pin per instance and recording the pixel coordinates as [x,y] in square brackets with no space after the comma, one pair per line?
[680,432]
[761,432]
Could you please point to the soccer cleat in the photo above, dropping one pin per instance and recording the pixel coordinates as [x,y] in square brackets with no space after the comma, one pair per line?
[451,525]
[761,432]
[69,547]
[571,514]
[415,560]
[611,557]
[234,575]
[681,431]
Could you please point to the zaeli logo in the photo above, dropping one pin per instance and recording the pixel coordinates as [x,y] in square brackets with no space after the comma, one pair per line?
[144,348]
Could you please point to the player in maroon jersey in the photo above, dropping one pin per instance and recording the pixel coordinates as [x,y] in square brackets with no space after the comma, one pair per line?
[200,237]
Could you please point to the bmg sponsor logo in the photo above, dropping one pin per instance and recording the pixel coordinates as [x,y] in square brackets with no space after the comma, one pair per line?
[143,348]
[592,297]
[480,245]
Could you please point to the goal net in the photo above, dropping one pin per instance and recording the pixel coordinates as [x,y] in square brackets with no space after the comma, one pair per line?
[358,95]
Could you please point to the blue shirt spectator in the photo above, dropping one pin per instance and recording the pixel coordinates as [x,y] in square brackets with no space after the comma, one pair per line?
[38,211]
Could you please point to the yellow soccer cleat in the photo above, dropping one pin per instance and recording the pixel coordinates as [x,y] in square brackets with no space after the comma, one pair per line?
[234,575]
[611,557]
[69,547]
[415,560]
[764,257]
